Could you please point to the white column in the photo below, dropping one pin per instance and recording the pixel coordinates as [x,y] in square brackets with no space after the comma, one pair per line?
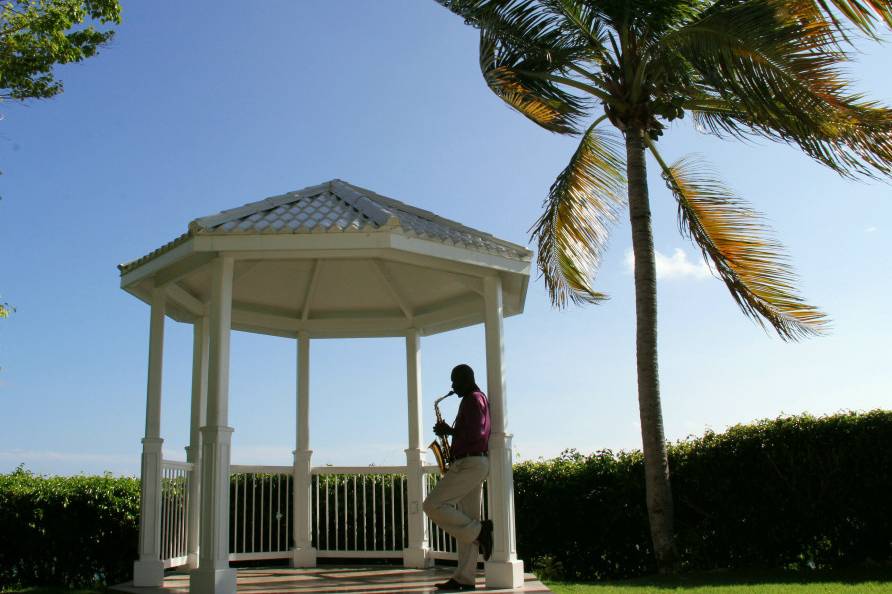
[504,569]
[200,340]
[149,569]
[416,555]
[303,553]
[213,574]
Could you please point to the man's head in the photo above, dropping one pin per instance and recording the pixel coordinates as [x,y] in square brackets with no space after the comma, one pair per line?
[463,380]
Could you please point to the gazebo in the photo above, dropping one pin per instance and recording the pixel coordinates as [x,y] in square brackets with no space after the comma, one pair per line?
[329,261]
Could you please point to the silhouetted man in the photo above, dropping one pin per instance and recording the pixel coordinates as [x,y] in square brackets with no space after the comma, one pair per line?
[454,504]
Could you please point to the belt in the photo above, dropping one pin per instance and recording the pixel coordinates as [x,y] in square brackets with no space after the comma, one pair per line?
[460,456]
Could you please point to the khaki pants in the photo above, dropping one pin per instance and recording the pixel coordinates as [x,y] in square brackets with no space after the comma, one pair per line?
[454,506]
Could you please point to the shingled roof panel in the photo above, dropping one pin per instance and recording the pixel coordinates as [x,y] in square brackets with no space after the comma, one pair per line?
[338,206]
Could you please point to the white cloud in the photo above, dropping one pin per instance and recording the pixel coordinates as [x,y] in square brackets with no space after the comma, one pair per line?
[870,229]
[676,266]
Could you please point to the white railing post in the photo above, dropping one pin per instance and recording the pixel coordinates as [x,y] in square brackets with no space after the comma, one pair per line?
[149,569]
[213,575]
[416,554]
[201,337]
[504,569]
[303,554]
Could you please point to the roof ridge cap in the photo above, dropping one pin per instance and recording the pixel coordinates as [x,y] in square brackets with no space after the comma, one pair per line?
[437,218]
[226,216]
[359,199]
[418,211]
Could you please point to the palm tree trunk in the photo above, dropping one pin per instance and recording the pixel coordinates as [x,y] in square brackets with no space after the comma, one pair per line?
[656,462]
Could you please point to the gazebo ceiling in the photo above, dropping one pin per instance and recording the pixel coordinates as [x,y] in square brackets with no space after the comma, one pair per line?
[335,260]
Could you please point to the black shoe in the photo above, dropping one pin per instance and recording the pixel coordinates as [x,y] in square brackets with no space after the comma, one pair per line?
[484,539]
[454,586]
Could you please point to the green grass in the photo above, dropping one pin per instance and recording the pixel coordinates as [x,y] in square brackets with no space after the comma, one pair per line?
[739,582]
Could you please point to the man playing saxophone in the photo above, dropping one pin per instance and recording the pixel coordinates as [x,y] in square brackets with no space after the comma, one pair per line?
[454,504]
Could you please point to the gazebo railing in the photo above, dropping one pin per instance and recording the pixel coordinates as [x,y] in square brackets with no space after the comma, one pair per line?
[261,512]
[355,512]
[359,511]
[175,477]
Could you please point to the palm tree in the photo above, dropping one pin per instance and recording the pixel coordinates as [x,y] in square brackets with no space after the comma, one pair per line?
[740,68]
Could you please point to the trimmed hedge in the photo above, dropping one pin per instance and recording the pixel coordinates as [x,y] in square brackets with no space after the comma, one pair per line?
[802,492]
[72,531]
[798,492]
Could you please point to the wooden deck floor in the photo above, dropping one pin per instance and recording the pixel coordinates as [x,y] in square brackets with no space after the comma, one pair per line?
[377,579]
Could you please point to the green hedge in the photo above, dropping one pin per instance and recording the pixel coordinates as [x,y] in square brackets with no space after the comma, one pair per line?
[74,531]
[798,492]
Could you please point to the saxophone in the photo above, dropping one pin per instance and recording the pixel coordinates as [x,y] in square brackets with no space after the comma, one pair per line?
[440,446]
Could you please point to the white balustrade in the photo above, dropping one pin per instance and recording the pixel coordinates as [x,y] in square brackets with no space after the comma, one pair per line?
[359,512]
[261,512]
[175,477]
[356,512]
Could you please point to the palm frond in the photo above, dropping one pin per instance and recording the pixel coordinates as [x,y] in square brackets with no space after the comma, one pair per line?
[741,249]
[529,26]
[864,15]
[756,51]
[854,140]
[767,72]
[505,71]
[524,44]
[582,205]
[585,24]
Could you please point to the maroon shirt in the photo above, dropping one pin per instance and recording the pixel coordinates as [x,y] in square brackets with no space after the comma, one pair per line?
[471,428]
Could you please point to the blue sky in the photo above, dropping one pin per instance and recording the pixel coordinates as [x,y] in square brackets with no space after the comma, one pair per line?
[192,111]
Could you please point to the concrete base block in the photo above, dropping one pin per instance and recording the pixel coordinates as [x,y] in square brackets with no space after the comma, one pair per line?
[148,574]
[192,561]
[303,557]
[417,559]
[504,574]
[212,581]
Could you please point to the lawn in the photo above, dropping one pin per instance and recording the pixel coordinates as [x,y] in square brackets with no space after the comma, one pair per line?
[735,582]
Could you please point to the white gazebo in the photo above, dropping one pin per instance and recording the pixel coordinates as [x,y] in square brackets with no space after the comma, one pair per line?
[329,261]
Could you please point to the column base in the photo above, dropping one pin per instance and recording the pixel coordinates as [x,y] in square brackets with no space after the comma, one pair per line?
[148,573]
[212,581]
[303,557]
[417,559]
[192,561]
[504,574]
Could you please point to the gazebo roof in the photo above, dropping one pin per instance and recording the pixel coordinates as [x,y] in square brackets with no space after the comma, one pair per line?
[388,266]
[338,206]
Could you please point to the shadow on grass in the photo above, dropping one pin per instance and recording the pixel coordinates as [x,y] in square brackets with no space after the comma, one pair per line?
[738,577]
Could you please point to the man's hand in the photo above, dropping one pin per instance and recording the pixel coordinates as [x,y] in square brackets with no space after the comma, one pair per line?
[442,428]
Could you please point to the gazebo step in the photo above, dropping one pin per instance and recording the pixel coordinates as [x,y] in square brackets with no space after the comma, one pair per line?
[377,579]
